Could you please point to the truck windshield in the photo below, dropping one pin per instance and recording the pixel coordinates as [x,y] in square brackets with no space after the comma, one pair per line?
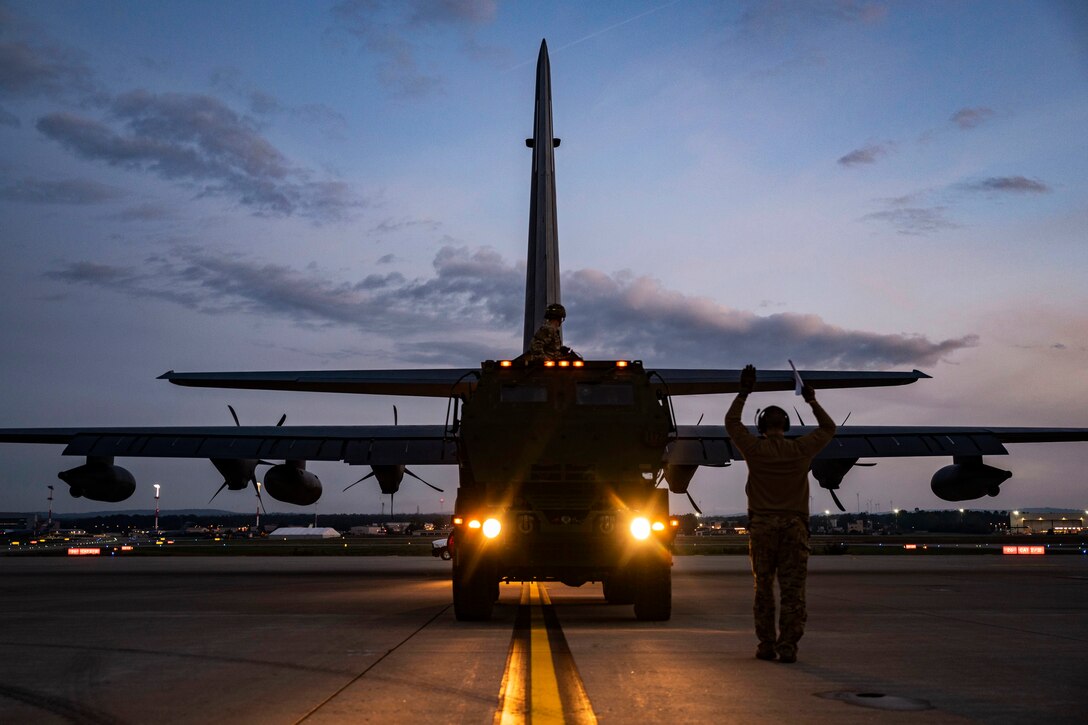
[523,394]
[605,394]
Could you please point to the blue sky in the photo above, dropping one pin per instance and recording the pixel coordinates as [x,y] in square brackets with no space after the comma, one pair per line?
[259,185]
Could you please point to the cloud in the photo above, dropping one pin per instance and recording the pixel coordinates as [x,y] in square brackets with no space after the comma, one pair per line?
[389,226]
[471,309]
[865,155]
[452,12]
[1008,184]
[261,103]
[968,118]
[68,191]
[915,220]
[390,31]
[28,71]
[146,213]
[197,140]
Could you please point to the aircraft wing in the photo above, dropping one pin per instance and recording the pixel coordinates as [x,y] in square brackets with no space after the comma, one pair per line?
[709,445]
[684,381]
[436,383]
[368,445]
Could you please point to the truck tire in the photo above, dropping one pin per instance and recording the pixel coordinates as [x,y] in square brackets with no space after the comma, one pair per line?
[653,591]
[473,594]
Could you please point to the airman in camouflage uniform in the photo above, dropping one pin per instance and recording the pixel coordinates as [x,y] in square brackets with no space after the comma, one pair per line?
[547,342]
[777,491]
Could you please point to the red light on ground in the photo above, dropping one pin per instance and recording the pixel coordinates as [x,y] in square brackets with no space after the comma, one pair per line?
[127,547]
[564,363]
[578,364]
[1024,550]
[84,551]
[910,546]
[549,363]
[505,363]
[621,363]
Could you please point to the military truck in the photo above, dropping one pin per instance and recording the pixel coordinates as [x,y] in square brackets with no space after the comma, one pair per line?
[559,464]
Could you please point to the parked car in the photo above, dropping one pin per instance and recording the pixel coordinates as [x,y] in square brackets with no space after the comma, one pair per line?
[441,548]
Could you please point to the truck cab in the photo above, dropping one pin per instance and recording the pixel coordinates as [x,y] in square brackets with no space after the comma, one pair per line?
[559,469]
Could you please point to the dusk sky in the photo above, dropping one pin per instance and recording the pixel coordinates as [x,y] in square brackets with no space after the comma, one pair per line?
[345,185]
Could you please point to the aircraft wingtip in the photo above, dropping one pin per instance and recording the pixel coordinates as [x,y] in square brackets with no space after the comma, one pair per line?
[922,375]
[166,375]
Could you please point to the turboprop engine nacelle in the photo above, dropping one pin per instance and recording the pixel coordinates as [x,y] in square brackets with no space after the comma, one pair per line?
[968,478]
[679,476]
[99,480]
[290,482]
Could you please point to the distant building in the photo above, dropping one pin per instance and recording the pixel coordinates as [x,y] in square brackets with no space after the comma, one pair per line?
[1044,521]
[305,532]
[370,530]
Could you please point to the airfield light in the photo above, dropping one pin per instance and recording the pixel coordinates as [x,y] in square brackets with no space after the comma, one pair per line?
[505,364]
[492,527]
[640,528]
[674,522]
[549,363]
[621,363]
[658,526]
[580,364]
[457,521]
[1017,513]
[564,363]
[474,524]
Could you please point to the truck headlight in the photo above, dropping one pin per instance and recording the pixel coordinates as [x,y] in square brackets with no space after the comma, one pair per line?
[492,527]
[640,528]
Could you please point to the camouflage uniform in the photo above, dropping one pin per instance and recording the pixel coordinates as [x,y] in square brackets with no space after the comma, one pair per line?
[547,344]
[778,545]
[777,492]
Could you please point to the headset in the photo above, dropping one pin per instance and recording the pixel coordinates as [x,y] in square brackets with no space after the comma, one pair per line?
[761,418]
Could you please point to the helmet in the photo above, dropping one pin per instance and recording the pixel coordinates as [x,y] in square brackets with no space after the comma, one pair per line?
[555,311]
[772,417]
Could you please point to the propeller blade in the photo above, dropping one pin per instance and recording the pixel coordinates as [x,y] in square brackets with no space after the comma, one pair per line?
[233,415]
[263,462]
[799,419]
[700,418]
[847,417]
[836,499]
[282,419]
[693,504]
[361,480]
[395,415]
[436,488]
[869,465]
[217,492]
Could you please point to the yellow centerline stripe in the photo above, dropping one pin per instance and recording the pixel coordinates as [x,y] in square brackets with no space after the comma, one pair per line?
[535,685]
[545,705]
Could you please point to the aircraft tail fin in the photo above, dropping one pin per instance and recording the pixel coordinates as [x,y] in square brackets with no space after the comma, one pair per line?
[542,265]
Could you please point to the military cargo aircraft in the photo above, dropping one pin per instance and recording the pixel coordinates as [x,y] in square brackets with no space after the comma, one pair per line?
[560,461]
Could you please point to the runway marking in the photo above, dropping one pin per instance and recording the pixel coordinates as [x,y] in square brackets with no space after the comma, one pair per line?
[541,683]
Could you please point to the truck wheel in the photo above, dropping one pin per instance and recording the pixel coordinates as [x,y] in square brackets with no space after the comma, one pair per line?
[446,556]
[619,588]
[653,591]
[473,594]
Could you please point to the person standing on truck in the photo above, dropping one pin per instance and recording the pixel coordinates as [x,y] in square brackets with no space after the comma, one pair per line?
[547,343]
[777,491]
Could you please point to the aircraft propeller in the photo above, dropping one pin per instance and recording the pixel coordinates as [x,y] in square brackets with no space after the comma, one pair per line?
[389,476]
[829,473]
[241,470]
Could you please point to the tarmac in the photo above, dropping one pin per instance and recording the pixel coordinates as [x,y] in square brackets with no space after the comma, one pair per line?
[918,639]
